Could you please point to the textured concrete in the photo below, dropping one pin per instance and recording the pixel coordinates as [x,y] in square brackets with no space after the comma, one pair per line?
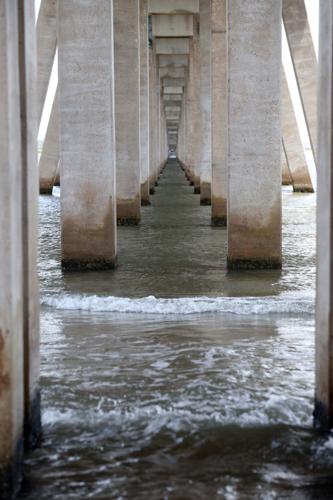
[46,48]
[324,327]
[28,100]
[172,46]
[127,105]
[304,60]
[286,176]
[219,113]
[205,44]
[11,265]
[173,61]
[173,6]
[86,87]
[144,103]
[179,25]
[172,72]
[152,121]
[254,137]
[49,158]
[293,144]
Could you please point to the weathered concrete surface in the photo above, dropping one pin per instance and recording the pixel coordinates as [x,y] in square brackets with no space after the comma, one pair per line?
[173,6]
[49,158]
[11,265]
[205,43]
[173,82]
[219,113]
[172,46]
[179,25]
[46,48]
[127,105]
[293,144]
[304,61]
[172,90]
[174,61]
[323,414]
[286,176]
[254,137]
[172,97]
[172,72]
[29,128]
[86,88]
[193,131]
[152,120]
[144,103]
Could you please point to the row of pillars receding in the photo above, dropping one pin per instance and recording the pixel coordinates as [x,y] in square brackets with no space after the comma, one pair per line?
[120,106]
[190,77]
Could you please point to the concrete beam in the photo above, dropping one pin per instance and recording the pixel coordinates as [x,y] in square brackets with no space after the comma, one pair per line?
[254,208]
[173,6]
[49,158]
[171,72]
[173,97]
[172,90]
[172,46]
[86,86]
[174,61]
[323,414]
[179,25]
[173,82]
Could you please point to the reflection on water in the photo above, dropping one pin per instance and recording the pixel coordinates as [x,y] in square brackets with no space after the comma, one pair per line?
[213,405]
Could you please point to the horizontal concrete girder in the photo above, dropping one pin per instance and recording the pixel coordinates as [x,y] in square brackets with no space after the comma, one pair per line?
[173,103]
[173,97]
[173,82]
[172,25]
[172,46]
[173,6]
[173,60]
[172,72]
[172,90]
[172,109]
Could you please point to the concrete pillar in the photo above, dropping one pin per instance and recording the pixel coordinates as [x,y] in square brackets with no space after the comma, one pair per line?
[304,61]
[219,113]
[86,88]
[30,185]
[11,266]
[152,120]
[127,95]
[254,137]
[46,48]
[205,102]
[193,130]
[323,414]
[49,158]
[293,146]
[144,103]
[286,175]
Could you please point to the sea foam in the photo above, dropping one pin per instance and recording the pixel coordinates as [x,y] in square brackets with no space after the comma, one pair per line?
[287,303]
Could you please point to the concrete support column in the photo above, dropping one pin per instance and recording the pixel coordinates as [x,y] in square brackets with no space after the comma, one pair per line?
[219,113]
[49,159]
[193,137]
[304,61]
[28,102]
[144,103]
[127,106]
[19,301]
[152,120]
[86,87]
[205,102]
[254,134]
[11,266]
[323,415]
[292,143]
[46,49]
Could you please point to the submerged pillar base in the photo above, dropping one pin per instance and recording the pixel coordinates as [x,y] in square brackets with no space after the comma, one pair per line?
[129,211]
[221,221]
[11,473]
[322,420]
[33,423]
[196,190]
[234,264]
[46,190]
[205,193]
[303,188]
[87,265]
[145,193]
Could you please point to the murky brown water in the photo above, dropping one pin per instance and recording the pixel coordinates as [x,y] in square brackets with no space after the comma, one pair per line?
[171,378]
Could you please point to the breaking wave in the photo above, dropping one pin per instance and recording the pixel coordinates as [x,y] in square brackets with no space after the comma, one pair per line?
[287,303]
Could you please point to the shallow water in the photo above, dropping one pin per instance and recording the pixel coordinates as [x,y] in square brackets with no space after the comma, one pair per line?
[172,378]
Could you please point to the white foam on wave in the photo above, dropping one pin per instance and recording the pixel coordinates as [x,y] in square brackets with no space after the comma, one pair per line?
[287,303]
